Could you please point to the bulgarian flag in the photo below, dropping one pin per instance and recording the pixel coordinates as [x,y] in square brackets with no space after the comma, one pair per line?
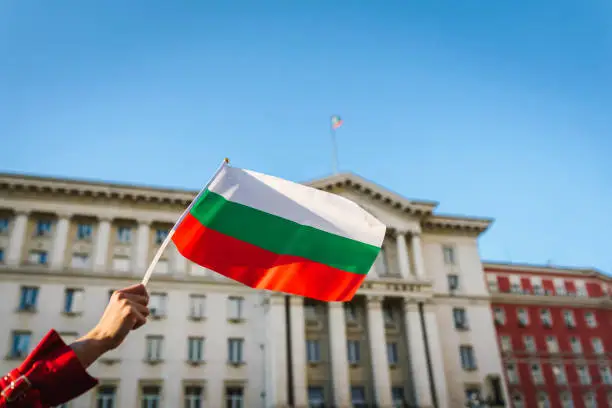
[336,122]
[270,233]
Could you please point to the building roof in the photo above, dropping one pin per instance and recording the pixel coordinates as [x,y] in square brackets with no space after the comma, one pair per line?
[545,269]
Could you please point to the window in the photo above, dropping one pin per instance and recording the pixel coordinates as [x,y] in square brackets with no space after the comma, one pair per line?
[506,343]
[310,312]
[73,301]
[576,345]
[398,397]
[196,306]
[551,344]
[559,374]
[388,316]
[543,401]
[121,263]
[4,225]
[537,289]
[453,282]
[38,257]
[157,304]
[468,360]
[515,287]
[492,282]
[583,374]
[151,396]
[354,354]
[350,312]
[568,316]
[523,316]
[512,374]
[313,351]
[529,342]
[105,396]
[193,396]
[536,374]
[84,232]
[160,236]
[43,228]
[79,261]
[598,347]
[358,397]
[500,315]
[234,397]
[591,321]
[449,254]
[606,375]
[1,255]
[590,401]
[21,344]
[392,354]
[195,346]
[29,295]
[546,317]
[316,398]
[234,350]
[517,401]
[124,235]
[560,288]
[460,318]
[154,348]
[235,308]
[566,400]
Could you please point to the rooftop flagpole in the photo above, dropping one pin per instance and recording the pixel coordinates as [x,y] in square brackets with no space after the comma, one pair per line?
[164,244]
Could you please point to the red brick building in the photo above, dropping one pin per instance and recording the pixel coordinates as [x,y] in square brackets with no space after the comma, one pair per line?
[554,327]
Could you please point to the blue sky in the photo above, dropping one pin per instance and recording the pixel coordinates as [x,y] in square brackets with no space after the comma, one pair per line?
[499,109]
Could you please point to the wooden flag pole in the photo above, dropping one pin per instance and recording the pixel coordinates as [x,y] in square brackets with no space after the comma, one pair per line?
[164,244]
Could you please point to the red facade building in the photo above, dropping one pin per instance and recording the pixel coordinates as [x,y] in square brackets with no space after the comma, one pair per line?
[554,328]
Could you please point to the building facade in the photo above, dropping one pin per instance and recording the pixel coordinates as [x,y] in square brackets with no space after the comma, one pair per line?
[554,328]
[419,333]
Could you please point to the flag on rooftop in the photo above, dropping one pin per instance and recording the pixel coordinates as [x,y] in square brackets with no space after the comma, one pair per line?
[336,122]
[273,234]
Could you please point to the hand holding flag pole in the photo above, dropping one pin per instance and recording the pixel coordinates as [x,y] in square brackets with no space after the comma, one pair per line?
[164,244]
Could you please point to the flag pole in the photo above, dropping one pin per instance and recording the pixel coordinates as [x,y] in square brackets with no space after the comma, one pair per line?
[334,147]
[164,244]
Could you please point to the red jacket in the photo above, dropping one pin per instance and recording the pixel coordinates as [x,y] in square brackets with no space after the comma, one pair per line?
[51,375]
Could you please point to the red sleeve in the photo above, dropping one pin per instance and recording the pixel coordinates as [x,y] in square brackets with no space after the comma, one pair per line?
[50,375]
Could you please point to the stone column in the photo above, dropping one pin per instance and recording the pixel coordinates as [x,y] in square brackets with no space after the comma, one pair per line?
[338,355]
[416,352]
[435,348]
[402,255]
[276,352]
[378,350]
[102,241]
[298,350]
[17,238]
[417,253]
[60,241]
[142,246]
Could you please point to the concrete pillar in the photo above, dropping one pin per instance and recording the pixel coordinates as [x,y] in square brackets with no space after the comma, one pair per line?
[402,255]
[338,354]
[435,348]
[378,351]
[142,246]
[298,351]
[17,238]
[58,251]
[417,253]
[101,247]
[276,352]
[416,351]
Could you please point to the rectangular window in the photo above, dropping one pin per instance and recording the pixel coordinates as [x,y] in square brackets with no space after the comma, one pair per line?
[568,316]
[1,255]
[606,375]
[468,360]
[512,374]
[358,397]
[500,316]
[460,318]
[197,305]
[106,396]
[234,397]
[583,375]
[529,342]
[316,398]
[449,254]
[560,288]
[506,343]
[29,295]
[195,347]
[354,352]
[398,397]
[590,400]
[4,225]
[154,348]
[43,228]
[566,400]
[598,347]
[590,320]
[453,282]
[523,316]
[124,235]
[536,374]
[234,350]
[543,401]
[392,354]
[576,345]
[193,396]
[79,261]
[235,306]
[38,257]
[73,301]
[313,351]
[157,304]
[546,317]
[21,344]
[84,232]
[559,374]
[160,236]
[551,344]
[151,396]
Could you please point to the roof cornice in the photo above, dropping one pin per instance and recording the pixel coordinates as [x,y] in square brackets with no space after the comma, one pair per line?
[544,269]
